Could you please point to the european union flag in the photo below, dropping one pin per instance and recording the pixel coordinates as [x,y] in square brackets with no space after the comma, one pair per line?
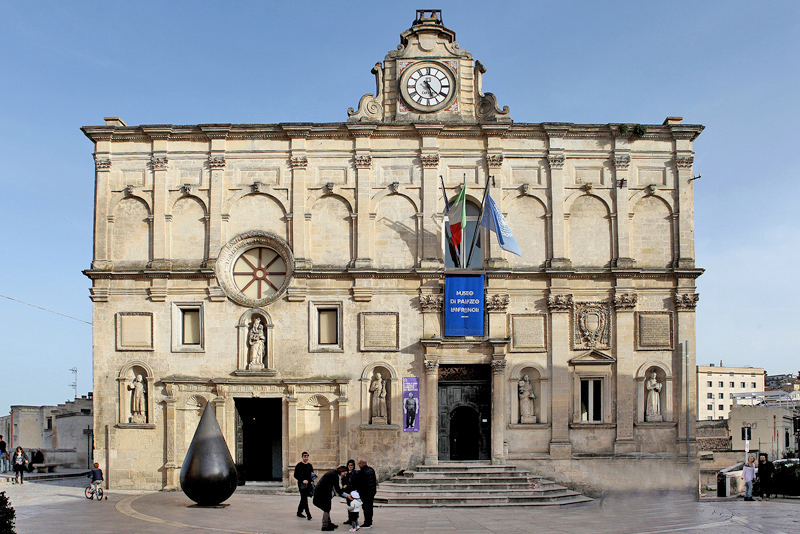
[495,222]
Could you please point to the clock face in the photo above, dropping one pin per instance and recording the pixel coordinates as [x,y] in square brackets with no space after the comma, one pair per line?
[428,86]
[259,273]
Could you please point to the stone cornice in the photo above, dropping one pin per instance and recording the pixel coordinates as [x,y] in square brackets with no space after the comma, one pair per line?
[204,132]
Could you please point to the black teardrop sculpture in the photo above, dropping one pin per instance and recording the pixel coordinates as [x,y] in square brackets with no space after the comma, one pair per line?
[208,475]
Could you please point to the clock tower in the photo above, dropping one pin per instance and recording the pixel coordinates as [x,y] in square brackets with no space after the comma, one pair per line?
[429,79]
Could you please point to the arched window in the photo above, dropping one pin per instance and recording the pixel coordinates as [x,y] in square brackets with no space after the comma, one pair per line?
[476,262]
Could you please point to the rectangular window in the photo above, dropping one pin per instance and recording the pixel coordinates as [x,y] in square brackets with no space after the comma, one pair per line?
[721,417]
[710,395]
[721,395]
[190,326]
[753,385]
[709,383]
[710,407]
[731,373]
[721,407]
[742,385]
[328,327]
[709,373]
[187,327]
[722,384]
[591,400]
[732,384]
[49,423]
[710,417]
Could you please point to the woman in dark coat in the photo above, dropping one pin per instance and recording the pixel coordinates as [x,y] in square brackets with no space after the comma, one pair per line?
[20,463]
[328,484]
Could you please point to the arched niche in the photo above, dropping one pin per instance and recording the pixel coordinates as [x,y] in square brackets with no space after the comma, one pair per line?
[135,395]
[246,323]
[393,395]
[664,377]
[318,424]
[540,382]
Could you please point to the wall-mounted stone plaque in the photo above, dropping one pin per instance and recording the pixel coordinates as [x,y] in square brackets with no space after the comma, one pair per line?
[654,330]
[379,331]
[134,331]
[528,333]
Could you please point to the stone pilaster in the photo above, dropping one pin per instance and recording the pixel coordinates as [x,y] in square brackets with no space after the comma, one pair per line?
[559,304]
[216,170]
[344,442]
[499,408]
[494,165]
[685,301]
[431,411]
[158,166]
[171,466]
[555,158]
[432,254]
[298,162]
[625,303]
[363,164]
[291,421]
[102,191]
[622,161]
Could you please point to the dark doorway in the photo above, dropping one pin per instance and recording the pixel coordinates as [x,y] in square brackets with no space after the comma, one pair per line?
[464,427]
[258,439]
[464,412]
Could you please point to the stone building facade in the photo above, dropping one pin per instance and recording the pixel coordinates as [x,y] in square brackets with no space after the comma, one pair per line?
[275,270]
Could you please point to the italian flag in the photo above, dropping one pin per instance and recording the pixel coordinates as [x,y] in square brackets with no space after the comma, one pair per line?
[458,216]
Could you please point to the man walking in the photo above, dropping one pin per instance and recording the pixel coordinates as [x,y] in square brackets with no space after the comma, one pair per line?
[765,474]
[303,473]
[367,486]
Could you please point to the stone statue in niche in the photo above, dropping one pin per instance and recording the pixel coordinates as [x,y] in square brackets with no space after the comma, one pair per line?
[256,341]
[653,402]
[377,389]
[138,404]
[526,397]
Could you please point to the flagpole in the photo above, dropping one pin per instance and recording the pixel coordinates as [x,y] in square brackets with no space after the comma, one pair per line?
[478,222]
[448,237]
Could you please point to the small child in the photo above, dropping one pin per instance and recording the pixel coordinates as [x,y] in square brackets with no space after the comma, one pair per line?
[96,475]
[353,508]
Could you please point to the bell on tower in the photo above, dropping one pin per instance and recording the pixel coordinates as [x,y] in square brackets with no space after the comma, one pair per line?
[428,16]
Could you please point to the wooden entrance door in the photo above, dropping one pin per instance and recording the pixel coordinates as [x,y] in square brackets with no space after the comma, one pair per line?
[465,412]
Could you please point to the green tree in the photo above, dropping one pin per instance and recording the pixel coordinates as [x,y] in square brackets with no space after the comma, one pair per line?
[7,515]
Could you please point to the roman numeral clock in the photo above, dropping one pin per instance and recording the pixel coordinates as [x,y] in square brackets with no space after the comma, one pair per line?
[427,86]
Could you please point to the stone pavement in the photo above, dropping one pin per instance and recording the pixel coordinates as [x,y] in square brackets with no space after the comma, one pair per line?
[59,507]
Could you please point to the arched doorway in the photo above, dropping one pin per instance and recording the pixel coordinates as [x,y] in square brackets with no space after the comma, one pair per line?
[464,429]
[464,412]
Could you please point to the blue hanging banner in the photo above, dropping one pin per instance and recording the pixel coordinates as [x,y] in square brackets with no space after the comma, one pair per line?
[463,306]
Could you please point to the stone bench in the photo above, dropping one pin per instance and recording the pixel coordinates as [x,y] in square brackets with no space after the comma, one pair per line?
[46,468]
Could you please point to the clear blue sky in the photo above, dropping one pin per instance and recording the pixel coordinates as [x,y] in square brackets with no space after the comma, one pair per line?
[732,66]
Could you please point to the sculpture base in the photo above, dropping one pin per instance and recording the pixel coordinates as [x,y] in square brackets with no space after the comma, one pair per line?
[138,419]
[379,421]
[653,418]
[255,366]
[208,506]
[527,419]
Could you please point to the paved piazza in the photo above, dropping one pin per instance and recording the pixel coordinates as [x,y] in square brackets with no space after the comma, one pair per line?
[59,507]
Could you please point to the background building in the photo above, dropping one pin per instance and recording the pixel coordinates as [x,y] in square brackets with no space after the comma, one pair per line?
[716,386]
[786,382]
[768,421]
[294,277]
[63,432]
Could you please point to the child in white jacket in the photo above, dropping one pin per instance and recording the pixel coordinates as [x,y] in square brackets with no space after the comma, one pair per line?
[353,509]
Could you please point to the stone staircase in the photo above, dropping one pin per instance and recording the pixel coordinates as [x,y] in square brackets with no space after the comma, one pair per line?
[471,484]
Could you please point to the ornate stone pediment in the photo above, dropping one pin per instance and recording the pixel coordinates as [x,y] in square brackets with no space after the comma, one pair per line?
[593,357]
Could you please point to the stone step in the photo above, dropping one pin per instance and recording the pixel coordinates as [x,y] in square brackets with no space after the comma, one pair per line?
[486,477]
[571,501]
[420,489]
[461,484]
